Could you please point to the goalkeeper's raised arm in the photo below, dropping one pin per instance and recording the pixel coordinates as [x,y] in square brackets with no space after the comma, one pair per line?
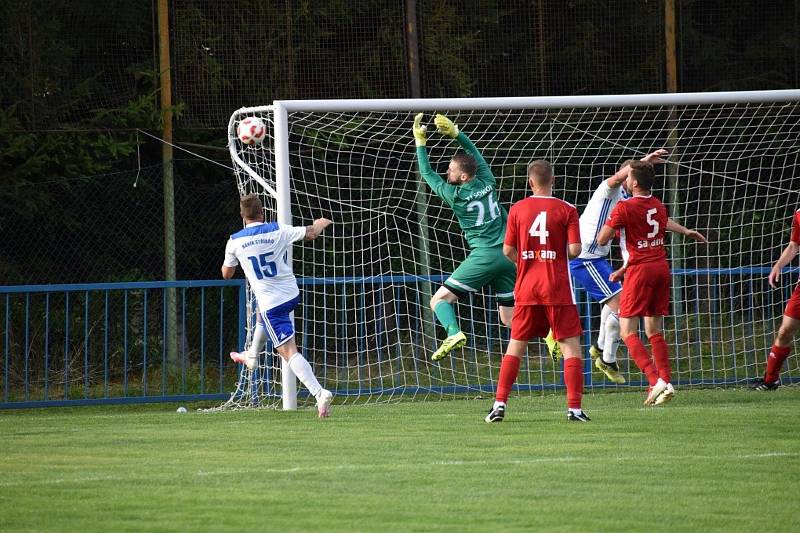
[434,181]
[446,127]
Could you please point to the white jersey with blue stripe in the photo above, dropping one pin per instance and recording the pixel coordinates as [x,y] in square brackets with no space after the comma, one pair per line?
[594,216]
[262,249]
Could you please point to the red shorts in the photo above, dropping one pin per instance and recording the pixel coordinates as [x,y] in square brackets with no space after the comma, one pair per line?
[645,291]
[793,305]
[531,321]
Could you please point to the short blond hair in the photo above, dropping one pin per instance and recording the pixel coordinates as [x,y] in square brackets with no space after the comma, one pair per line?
[541,172]
[250,207]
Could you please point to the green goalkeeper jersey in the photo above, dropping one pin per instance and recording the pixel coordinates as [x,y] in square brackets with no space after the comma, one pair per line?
[474,203]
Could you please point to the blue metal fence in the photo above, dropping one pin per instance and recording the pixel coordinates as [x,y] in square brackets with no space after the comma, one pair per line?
[78,344]
[106,343]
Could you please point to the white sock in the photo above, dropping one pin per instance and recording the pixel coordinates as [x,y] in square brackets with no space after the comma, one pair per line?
[612,339]
[498,404]
[259,339]
[303,371]
[601,335]
[575,411]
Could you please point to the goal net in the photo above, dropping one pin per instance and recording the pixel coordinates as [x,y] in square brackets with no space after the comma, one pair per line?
[365,323]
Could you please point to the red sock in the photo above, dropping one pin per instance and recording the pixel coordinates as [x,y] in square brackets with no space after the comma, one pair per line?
[573,379]
[777,355]
[661,356]
[509,369]
[641,357]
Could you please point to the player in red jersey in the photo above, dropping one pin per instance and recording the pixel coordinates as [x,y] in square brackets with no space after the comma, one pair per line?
[791,315]
[541,236]
[642,223]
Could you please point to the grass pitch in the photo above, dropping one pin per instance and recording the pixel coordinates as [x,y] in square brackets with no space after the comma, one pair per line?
[712,460]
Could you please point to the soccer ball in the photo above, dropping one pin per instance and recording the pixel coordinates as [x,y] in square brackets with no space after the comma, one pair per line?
[251,131]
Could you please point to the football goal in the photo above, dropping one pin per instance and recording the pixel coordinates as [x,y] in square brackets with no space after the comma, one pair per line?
[365,323]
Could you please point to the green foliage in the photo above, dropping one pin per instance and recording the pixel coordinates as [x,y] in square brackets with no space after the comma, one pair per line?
[737,46]
[445,52]
[49,137]
[37,169]
[71,106]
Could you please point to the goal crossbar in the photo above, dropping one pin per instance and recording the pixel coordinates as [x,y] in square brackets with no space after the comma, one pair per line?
[537,102]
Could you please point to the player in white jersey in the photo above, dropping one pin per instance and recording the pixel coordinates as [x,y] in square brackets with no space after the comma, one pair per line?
[262,250]
[591,269]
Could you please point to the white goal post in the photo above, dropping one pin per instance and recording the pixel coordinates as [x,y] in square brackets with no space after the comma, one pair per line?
[364,325]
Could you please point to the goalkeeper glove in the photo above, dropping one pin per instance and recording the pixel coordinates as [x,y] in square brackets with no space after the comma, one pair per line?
[419,131]
[446,126]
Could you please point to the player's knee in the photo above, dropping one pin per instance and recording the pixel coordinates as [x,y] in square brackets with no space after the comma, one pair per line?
[785,335]
[612,324]
[287,350]
[442,295]
[651,332]
[436,300]
[571,348]
[652,327]
[613,303]
[516,348]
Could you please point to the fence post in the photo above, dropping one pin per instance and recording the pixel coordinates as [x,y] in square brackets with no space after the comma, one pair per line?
[171,333]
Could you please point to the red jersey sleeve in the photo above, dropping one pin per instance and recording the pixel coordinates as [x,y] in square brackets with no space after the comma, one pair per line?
[796,227]
[573,227]
[617,218]
[511,228]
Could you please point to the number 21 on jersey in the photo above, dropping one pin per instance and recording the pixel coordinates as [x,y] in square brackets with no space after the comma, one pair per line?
[539,227]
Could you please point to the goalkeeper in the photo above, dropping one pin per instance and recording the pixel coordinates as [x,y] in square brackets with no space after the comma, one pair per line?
[471,191]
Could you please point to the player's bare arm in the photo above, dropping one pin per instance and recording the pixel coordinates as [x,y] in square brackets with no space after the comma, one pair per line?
[617,275]
[228,272]
[574,250]
[656,157]
[434,180]
[622,174]
[786,257]
[692,234]
[605,235]
[510,252]
[316,228]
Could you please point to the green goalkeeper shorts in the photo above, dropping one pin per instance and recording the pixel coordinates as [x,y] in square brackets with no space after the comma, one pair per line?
[482,267]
